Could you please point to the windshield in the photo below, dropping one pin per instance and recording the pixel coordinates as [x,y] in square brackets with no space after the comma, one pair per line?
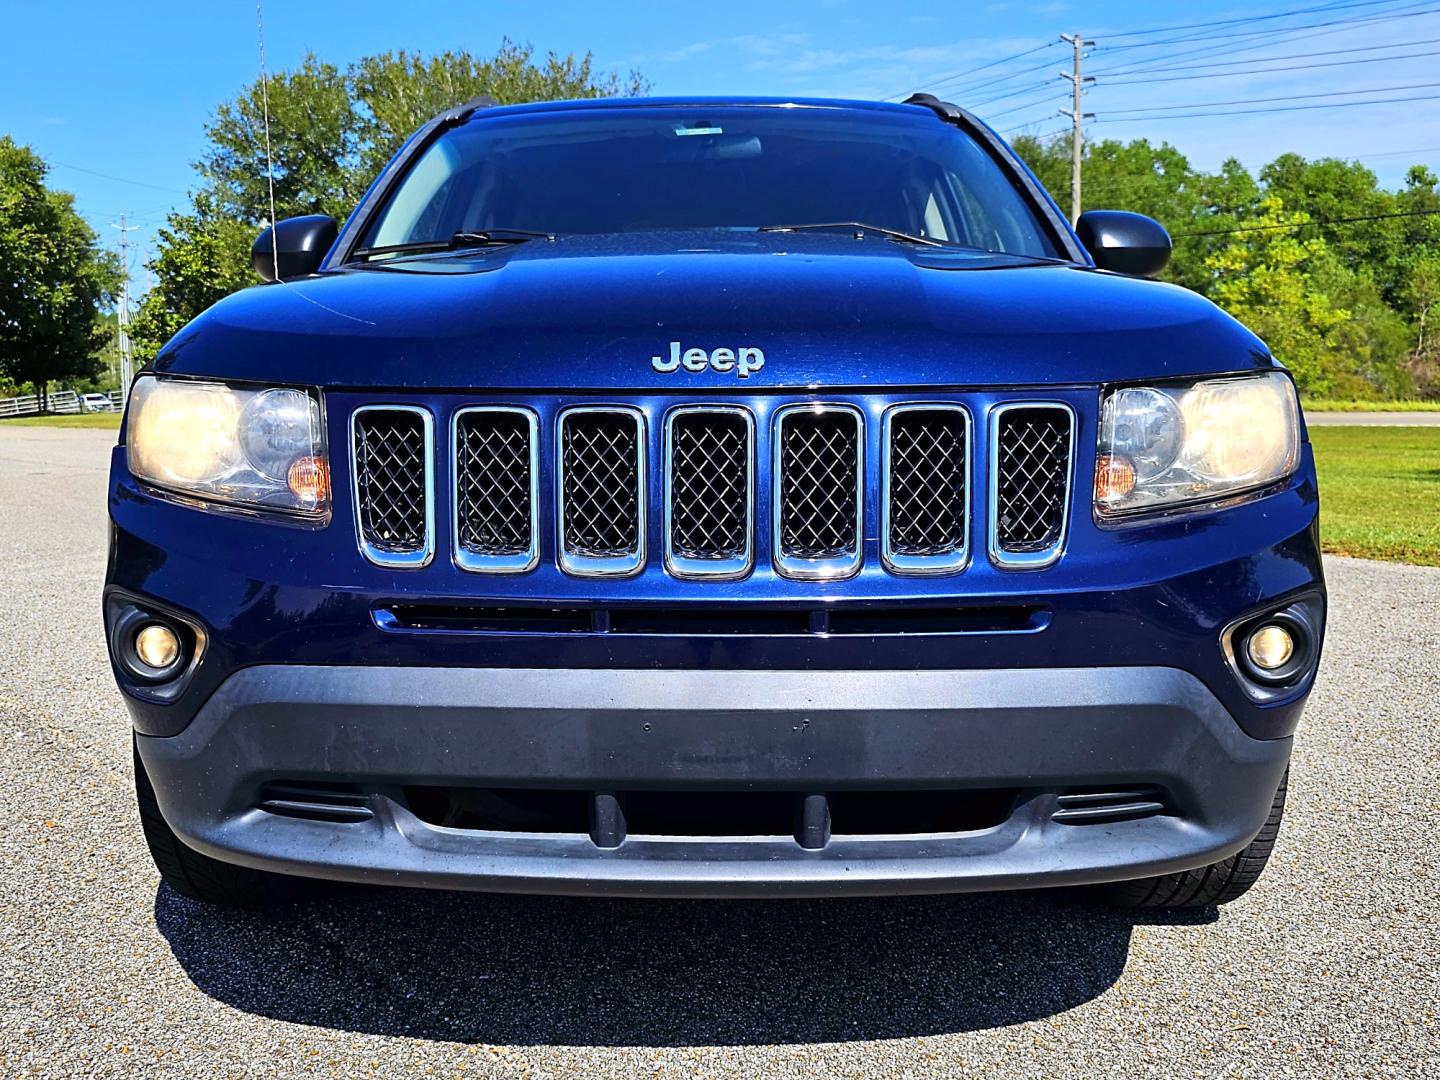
[652,168]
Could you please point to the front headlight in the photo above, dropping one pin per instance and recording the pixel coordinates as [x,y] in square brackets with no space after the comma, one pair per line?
[1170,444]
[252,446]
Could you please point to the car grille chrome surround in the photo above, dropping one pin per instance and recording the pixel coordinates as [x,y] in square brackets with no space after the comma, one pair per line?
[709,492]
[392,454]
[925,488]
[1032,452]
[601,491]
[496,526]
[817,517]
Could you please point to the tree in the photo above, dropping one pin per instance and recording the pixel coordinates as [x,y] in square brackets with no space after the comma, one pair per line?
[331,132]
[1262,278]
[54,279]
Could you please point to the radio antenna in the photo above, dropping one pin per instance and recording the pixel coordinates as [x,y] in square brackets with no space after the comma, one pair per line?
[265,112]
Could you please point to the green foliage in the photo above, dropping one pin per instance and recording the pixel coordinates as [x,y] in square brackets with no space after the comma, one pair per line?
[330,133]
[53,277]
[204,256]
[1352,307]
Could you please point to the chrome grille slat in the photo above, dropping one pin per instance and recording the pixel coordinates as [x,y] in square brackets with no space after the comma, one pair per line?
[819,473]
[601,484]
[925,526]
[1032,446]
[391,465]
[496,474]
[709,491]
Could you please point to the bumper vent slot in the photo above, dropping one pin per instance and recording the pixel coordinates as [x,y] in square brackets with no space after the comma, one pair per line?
[1031,451]
[391,455]
[926,488]
[602,491]
[316,803]
[709,492]
[496,490]
[819,471]
[1092,806]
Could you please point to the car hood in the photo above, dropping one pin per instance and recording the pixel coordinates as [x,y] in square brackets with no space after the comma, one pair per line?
[826,310]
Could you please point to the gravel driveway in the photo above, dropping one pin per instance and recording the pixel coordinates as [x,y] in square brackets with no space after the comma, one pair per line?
[1331,966]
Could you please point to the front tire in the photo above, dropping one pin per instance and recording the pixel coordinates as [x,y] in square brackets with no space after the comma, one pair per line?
[198,876]
[1207,886]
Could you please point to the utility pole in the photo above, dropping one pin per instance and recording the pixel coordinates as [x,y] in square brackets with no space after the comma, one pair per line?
[123,312]
[1077,118]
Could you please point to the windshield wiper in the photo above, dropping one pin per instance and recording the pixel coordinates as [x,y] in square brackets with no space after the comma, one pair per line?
[460,241]
[859,228]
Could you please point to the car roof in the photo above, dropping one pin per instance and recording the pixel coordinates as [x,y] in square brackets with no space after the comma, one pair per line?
[707,102]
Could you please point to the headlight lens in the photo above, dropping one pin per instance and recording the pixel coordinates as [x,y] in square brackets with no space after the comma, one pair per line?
[255,446]
[1172,444]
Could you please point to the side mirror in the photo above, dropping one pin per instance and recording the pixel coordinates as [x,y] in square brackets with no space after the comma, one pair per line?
[1125,243]
[301,244]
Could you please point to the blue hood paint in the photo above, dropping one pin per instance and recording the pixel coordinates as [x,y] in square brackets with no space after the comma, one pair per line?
[588,312]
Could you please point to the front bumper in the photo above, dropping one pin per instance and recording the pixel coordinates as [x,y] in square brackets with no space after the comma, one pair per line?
[1041,732]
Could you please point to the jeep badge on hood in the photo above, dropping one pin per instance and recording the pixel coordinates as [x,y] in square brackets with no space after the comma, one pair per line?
[742,361]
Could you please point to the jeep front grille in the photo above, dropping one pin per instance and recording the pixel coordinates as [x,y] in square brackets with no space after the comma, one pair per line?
[602,490]
[925,520]
[391,462]
[496,489]
[819,471]
[1031,448]
[709,491]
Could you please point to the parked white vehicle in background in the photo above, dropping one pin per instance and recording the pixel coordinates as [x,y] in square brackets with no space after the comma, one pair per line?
[96,403]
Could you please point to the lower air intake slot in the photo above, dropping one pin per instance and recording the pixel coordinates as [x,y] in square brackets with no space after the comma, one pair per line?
[872,813]
[1090,806]
[316,802]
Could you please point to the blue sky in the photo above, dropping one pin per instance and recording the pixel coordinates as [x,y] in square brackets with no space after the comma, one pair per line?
[124,91]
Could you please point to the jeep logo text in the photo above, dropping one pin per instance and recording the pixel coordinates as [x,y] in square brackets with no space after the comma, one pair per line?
[742,361]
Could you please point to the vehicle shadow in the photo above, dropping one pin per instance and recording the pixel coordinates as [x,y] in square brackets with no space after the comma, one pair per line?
[541,970]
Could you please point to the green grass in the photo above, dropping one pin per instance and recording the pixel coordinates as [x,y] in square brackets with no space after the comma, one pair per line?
[1380,492]
[108,421]
[1371,406]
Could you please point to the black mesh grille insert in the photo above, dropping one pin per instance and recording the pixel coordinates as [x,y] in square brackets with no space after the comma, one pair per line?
[492,483]
[390,479]
[602,483]
[818,493]
[709,485]
[1032,476]
[927,482]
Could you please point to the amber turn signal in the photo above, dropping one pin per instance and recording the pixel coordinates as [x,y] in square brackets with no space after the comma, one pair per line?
[1114,477]
[309,480]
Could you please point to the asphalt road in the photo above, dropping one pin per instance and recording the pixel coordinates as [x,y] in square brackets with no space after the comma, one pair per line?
[1373,419]
[1330,967]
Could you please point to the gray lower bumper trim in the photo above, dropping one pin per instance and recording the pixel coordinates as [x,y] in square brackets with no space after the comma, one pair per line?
[1036,730]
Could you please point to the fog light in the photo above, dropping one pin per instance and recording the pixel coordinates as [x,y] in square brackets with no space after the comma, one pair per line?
[1270,647]
[157,646]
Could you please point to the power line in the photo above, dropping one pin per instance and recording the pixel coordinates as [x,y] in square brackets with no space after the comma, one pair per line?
[107,176]
[1398,153]
[1283,97]
[1277,109]
[1290,56]
[1267,71]
[1280,35]
[1249,18]
[1267,30]
[1308,224]
[982,67]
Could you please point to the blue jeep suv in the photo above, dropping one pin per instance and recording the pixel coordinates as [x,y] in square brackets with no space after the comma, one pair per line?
[713,498]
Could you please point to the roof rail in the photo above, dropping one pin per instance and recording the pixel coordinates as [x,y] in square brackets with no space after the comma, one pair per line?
[942,109]
[460,113]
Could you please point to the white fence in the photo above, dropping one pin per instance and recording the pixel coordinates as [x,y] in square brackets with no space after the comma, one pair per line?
[62,401]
